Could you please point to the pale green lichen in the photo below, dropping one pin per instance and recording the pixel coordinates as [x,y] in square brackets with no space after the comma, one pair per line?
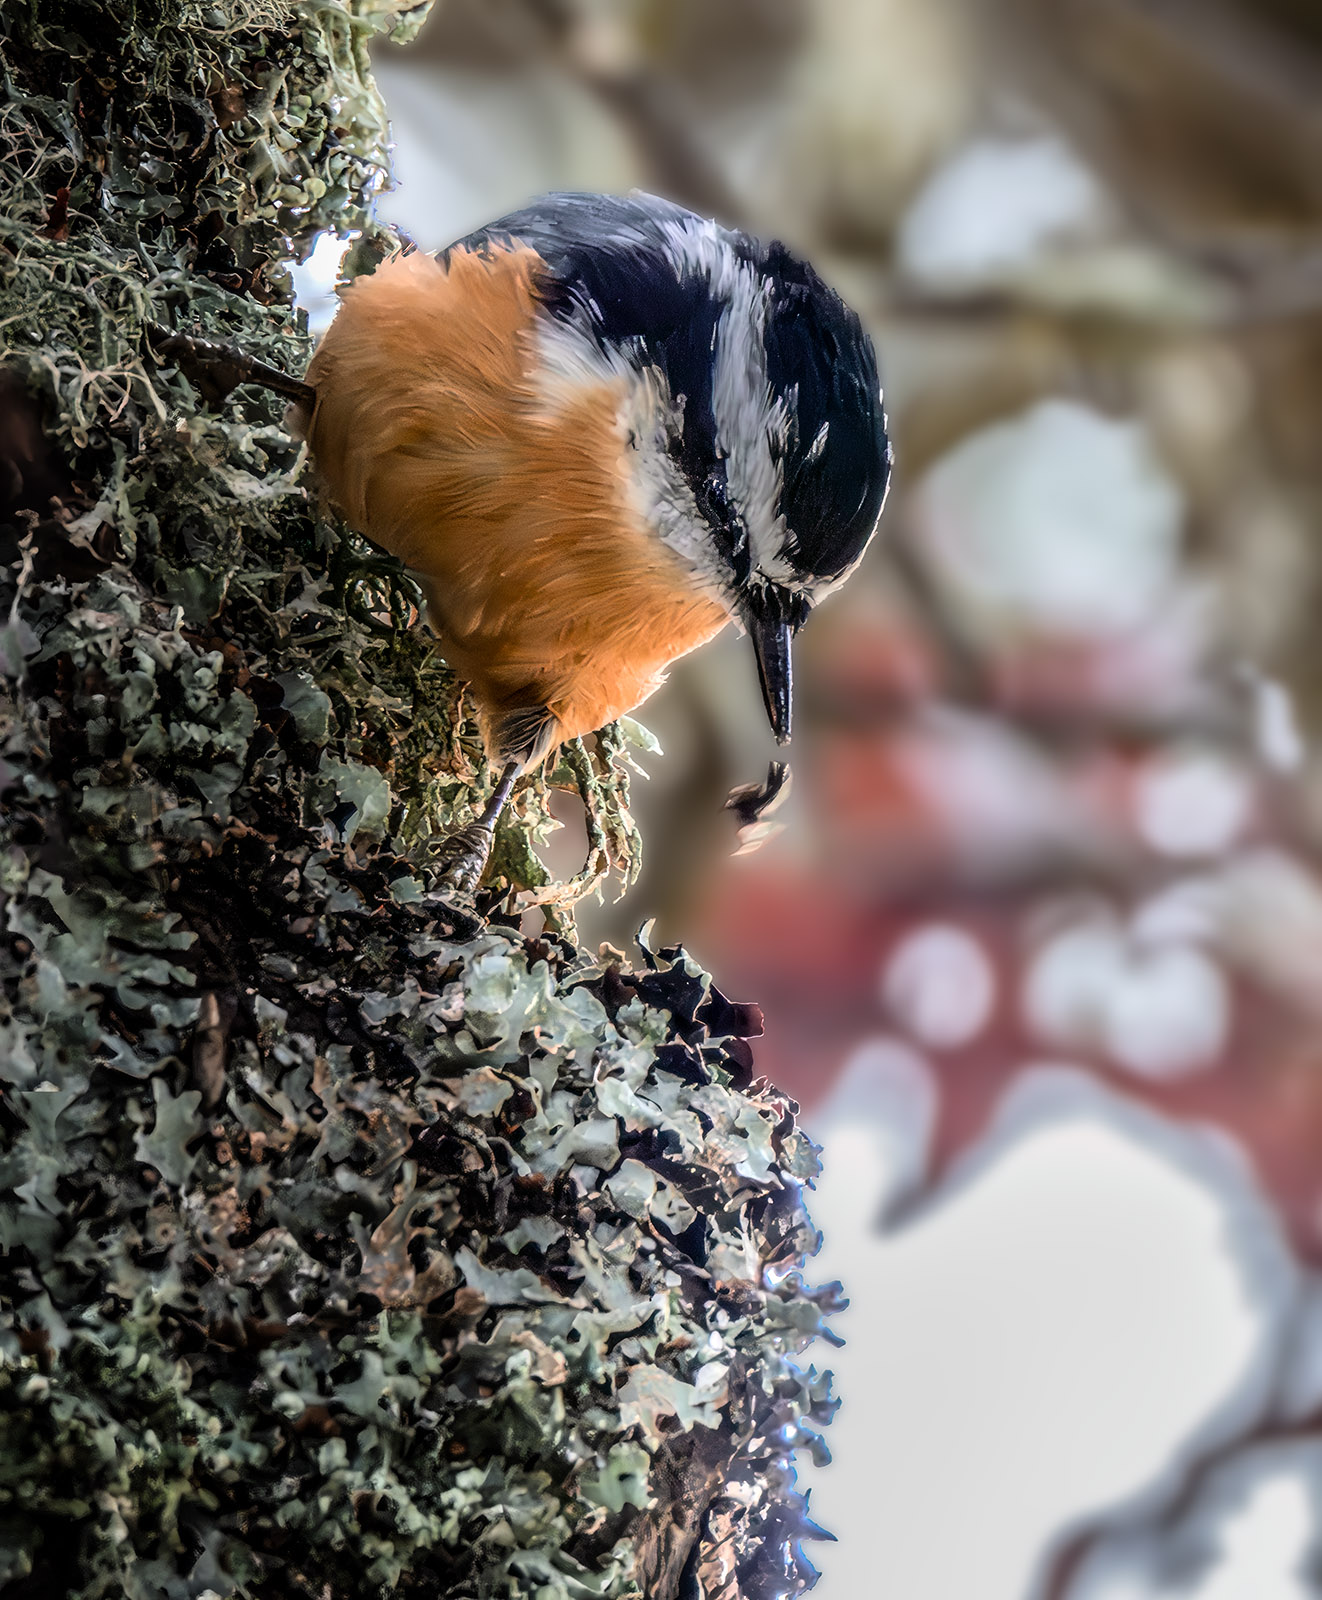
[401,1315]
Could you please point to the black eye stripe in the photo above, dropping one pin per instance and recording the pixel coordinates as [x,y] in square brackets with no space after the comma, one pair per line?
[728,531]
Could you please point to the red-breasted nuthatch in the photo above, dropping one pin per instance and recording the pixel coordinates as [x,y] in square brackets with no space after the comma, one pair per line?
[597,430]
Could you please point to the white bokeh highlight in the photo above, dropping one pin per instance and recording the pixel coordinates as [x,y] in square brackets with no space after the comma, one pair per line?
[1094,1294]
[1058,522]
[996,205]
[1191,802]
[881,1116]
[1160,1010]
[940,985]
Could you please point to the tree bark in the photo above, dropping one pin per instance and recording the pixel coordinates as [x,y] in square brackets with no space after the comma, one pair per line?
[340,1255]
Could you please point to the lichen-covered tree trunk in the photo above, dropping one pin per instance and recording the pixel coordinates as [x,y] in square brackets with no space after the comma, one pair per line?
[340,1258]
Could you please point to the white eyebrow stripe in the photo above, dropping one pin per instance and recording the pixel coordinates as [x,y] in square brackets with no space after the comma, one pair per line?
[748,416]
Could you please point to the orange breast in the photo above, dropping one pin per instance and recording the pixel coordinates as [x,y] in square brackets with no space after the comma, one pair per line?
[543,584]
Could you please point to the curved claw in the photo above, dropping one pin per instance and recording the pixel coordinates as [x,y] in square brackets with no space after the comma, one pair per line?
[464,856]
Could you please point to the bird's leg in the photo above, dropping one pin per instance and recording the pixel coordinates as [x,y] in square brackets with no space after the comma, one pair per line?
[464,853]
[218,369]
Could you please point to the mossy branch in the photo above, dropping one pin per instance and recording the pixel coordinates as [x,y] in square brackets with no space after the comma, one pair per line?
[339,1257]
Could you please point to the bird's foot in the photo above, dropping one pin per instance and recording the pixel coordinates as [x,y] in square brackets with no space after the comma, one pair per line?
[215,370]
[463,857]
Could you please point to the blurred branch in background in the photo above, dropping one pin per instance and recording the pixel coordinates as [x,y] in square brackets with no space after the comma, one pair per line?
[602,54]
[1205,115]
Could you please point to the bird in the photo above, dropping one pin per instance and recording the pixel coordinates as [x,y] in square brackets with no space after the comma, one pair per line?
[598,430]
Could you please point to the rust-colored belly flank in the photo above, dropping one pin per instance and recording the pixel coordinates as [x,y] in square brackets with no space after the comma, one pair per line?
[543,585]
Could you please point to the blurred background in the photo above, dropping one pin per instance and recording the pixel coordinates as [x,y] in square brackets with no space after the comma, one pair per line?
[1040,944]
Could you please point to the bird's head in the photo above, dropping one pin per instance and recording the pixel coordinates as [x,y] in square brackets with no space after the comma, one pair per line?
[754,433]
[794,458]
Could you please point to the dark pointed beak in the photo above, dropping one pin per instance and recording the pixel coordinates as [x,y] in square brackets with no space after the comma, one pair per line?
[771,635]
